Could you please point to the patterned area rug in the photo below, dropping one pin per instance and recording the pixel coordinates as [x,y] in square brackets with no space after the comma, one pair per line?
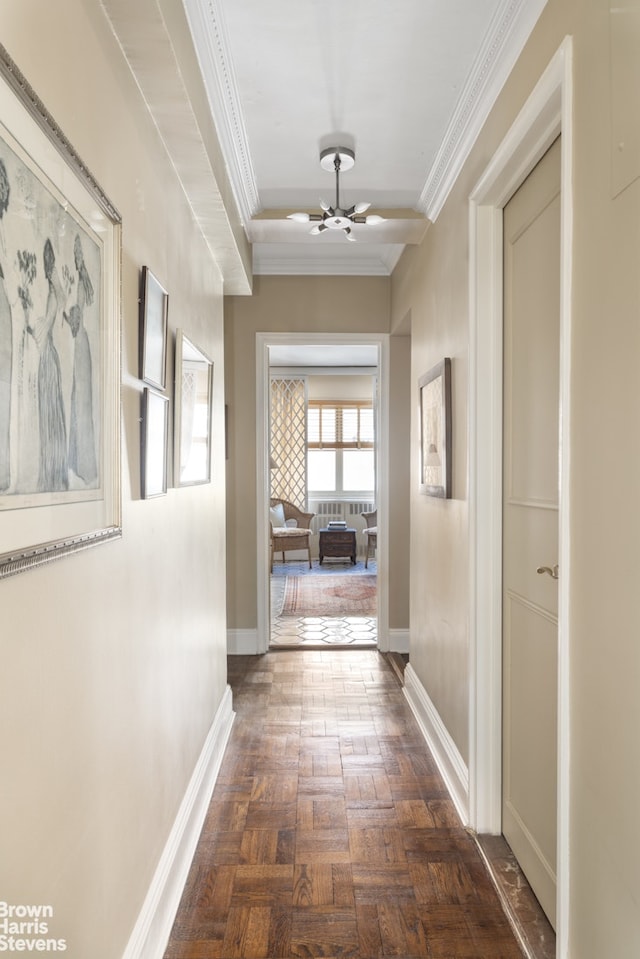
[327,595]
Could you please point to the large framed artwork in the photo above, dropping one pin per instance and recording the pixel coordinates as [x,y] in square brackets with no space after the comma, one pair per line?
[59,340]
[192,406]
[434,390]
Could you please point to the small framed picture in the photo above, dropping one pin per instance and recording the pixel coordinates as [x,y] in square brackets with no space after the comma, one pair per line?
[192,411]
[154,304]
[435,430]
[155,434]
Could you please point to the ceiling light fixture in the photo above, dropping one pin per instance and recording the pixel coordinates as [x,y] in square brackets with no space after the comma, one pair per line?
[335,217]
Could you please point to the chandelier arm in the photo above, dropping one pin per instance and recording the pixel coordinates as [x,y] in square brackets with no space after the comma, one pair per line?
[335,218]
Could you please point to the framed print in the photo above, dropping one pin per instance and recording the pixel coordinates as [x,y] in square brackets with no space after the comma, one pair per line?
[193,388]
[155,435]
[60,250]
[435,430]
[154,304]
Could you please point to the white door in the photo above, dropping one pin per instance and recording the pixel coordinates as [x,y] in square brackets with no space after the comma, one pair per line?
[530,524]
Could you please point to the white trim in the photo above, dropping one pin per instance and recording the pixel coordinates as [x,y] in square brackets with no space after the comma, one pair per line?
[242,642]
[508,32]
[153,926]
[212,47]
[398,640]
[266,262]
[263,342]
[547,113]
[263,555]
[452,766]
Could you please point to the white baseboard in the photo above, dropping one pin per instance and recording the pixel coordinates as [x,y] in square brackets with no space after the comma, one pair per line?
[398,640]
[452,767]
[242,642]
[153,927]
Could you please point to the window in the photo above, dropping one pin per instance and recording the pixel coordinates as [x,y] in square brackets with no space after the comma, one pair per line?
[341,446]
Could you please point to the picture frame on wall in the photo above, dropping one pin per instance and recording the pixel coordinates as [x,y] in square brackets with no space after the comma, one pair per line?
[434,389]
[154,312]
[155,439]
[59,340]
[192,412]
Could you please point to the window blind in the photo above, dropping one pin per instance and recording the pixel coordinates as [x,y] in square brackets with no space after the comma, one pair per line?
[340,425]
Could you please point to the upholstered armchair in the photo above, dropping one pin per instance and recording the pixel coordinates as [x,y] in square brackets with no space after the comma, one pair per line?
[370,532]
[290,528]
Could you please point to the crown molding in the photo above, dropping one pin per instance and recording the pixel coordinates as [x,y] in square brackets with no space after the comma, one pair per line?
[210,41]
[266,264]
[510,29]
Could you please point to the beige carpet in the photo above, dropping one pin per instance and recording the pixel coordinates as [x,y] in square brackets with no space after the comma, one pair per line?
[325,595]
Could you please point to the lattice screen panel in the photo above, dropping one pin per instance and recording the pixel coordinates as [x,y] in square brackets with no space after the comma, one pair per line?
[289,439]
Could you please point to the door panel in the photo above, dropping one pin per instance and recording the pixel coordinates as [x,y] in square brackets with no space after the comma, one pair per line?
[530,523]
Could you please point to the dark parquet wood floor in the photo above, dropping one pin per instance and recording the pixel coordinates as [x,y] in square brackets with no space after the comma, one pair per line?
[330,832]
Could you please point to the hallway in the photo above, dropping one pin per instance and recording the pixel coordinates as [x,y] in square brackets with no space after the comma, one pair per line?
[330,832]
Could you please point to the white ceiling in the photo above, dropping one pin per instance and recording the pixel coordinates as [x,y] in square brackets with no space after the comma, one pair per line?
[407,84]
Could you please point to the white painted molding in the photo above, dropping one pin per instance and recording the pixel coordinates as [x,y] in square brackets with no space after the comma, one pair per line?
[266,263]
[153,926]
[242,642]
[210,41]
[399,640]
[445,752]
[510,28]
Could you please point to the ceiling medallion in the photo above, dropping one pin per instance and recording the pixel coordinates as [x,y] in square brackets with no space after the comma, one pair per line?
[337,159]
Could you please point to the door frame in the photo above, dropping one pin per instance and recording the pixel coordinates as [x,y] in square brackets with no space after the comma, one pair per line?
[546,114]
[263,342]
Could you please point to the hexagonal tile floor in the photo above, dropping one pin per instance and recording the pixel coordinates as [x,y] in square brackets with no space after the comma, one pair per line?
[318,631]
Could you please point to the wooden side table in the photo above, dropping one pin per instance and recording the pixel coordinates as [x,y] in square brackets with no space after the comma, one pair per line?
[338,542]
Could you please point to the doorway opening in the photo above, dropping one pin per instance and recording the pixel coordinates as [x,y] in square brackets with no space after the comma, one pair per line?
[323,474]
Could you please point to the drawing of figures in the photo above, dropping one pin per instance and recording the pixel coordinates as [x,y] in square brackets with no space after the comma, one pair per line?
[27,369]
[51,345]
[82,447]
[53,473]
[6,352]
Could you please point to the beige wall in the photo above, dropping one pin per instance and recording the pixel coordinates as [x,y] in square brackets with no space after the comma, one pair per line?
[294,305]
[432,284]
[339,387]
[113,660]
